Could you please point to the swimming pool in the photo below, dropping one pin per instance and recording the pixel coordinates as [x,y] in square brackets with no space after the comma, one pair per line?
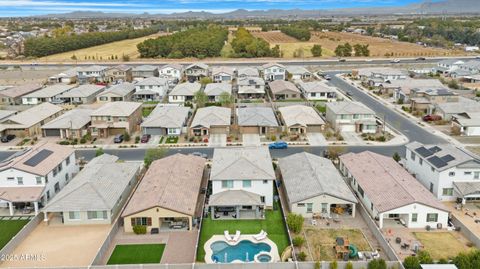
[244,251]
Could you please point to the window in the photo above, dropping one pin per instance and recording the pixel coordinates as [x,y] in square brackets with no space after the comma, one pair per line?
[262,199]
[67,161]
[97,214]
[324,208]
[265,182]
[54,171]
[432,217]
[48,195]
[10,178]
[414,217]
[467,173]
[67,177]
[20,180]
[420,160]
[74,215]
[247,183]
[227,184]
[309,208]
[433,169]
[476,175]
[452,174]
[39,180]
[371,206]
[300,205]
[57,187]
[360,190]
[412,156]
[447,191]
[142,221]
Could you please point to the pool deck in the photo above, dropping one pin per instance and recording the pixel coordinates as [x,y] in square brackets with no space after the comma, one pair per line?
[244,237]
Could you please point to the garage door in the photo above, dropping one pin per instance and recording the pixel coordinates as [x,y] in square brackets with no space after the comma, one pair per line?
[115,131]
[314,129]
[153,131]
[52,132]
[218,130]
[249,130]
[348,128]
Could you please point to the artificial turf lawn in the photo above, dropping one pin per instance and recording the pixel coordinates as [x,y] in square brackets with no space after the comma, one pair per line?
[137,254]
[9,228]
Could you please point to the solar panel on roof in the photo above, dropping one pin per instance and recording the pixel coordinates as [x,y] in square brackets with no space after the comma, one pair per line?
[435,149]
[437,162]
[447,158]
[38,158]
[423,152]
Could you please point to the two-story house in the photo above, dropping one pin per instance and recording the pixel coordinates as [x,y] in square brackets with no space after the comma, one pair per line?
[144,71]
[151,88]
[251,87]
[274,71]
[119,73]
[242,183]
[30,178]
[184,92]
[173,72]
[116,118]
[449,172]
[447,66]
[348,116]
[91,74]
[223,74]
[197,71]
[318,91]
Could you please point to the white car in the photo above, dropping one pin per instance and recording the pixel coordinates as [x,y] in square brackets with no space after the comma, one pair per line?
[395,61]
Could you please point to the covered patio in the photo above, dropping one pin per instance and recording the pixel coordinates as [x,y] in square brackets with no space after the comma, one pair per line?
[236,204]
[20,201]
[467,191]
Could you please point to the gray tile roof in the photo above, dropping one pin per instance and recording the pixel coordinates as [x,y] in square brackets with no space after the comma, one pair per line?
[256,116]
[21,90]
[442,91]
[83,91]
[316,86]
[201,65]
[186,89]
[93,68]
[50,91]
[248,72]
[467,188]
[223,69]
[306,176]
[268,65]
[348,108]
[122,89]
[463,105]
[300,115]
[6,113]
[235,197]
[152,81]
[33,115]
[98,186]
[145,67]
[297,70]
[253,163]
[74,119]
[167,117]
[386,184]
[117,109]
[212,116]
[174,66]
[281,86]
[216,89]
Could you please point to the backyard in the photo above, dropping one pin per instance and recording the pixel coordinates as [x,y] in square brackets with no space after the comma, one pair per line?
[137,254]
[441,244]
[272,224]
[9,228]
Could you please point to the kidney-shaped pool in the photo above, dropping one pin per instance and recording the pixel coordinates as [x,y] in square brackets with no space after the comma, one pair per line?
[244,251]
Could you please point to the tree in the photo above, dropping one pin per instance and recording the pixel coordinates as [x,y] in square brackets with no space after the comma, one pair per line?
[349,265]
[396,157]
[225,99]
[333,152]
[424,257]
[344,50]
[206,80]
[298,241]
[377,264]
[125,58]
[316,50]
[99,152]
[411,262]
[298,32]
[295,222]
[334,264]
[154,154]
[200,98]
[126,136]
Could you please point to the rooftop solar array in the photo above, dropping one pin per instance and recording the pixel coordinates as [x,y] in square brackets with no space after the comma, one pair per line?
[423,152]
[447,158]
[38,158]
[435,149]
[437,162]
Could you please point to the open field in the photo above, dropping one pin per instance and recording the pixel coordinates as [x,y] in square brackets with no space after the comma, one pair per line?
[102,52]
[441,244]
[275,37]
[9,229]
[137,254]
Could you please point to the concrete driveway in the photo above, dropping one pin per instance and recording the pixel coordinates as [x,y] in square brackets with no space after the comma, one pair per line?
[251,140]
[352,137]
[217,140]
[316,139]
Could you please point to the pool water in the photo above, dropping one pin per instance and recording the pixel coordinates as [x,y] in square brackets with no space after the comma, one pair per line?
[264,258]
[243,251]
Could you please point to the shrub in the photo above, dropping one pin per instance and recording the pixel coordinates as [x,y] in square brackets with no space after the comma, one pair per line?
[381,138]
[64,143]
[377,264]
[349,265]
[302,256]
[273,138]
[295,222]
[126,136]
[83,140]
[99,152]
[411,262]
[137,139]
[316,50]
[424,257]
[298,241]
[317,265]
[334,264]
[396,157]
[140,229]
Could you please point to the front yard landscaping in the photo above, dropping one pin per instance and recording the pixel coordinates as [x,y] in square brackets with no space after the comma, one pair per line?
[441,245]
[9,228]
[272,224]
[137,254]
[171,140]
[147,110]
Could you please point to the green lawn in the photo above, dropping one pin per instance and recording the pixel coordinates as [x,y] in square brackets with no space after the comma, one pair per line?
[146,111]
[171,140]
[9,228]
[273,225]
[137,254]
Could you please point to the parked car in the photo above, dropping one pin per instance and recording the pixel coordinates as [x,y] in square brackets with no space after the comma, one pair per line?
[145,138]
[327,77]
[349,94]
[278,145]
[118,139]
[7,138]
[395,61]
[199,154]
[342,60]
[420,59]
[432,117]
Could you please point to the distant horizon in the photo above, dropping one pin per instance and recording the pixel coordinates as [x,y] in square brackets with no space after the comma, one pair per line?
[23,8]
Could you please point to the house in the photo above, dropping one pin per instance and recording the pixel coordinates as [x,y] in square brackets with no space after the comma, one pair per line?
[173,72]
[301,119]
[447,66]
[144,71]
[472,48]
[223,74]
[117,93]
[48,94]
[251,87]
[5,114]
[166,120]
[120,73]
[247,72]
[242,183]
[211,120]
[31,177]
[464,105]
[72,124]
[197,71]
[467,123]
[381,74]
[151,88]
[13,95]
[298,73]
[215,90]
[390,194]
[318,91]
[83,94]
[184,92]
[282,90]
[29,122]
[257,120]
[274,71]
[401,89]
[96,194]
[314,187]
[68,76]
[116,118]
[91,74]
[168,196]
[449,172]
[348,116]
[438,266]
[424,99]
[468,68]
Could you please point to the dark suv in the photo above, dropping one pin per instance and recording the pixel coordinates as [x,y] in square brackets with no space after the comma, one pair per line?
[7,138]
[118,139]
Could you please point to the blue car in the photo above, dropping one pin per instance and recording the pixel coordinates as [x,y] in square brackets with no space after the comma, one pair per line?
[278,145]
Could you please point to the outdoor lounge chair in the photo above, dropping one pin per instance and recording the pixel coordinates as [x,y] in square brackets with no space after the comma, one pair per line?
[228,237]
[261,236]
[236,237]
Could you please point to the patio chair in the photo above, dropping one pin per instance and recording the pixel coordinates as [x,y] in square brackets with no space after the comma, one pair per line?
[228,237]
[261,236]
[236,237]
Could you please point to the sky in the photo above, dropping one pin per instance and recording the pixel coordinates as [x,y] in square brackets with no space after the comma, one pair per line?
[36,7]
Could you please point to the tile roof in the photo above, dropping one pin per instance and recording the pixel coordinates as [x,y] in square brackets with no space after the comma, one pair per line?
[212,116]
[316,86]
[280,86]
[300,115]
[386,184]
[346,107]
[253,163]
[172,183]
[83,91]
[256,116]
[223,69]
[268,65]
[92,68]
[306,176]
[174,66]
[167,117]
[143,68]
[152,81]
[248,72]
[122,89]
[406,85]
[21,194]
[186,89]
[75,119]
[463,105]
[234,197]
[117,109]
[297,70]
[201,65]
[50,91]
[216,89]
[18,91]
[32,116]
[6,113]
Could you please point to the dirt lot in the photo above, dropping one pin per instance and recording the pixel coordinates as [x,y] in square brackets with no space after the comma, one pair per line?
[442,244]
[24,76]
[275,37]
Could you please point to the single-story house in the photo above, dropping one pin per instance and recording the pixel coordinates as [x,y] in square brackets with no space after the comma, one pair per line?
[50,93]
[318,91]
[144,71]
[257,120]
[167,197]
[251,87]
[282,89]
[96,194]
[120,92]
[298,72]
[314,187]
[214,90]
[72,124]
[211,120]
[390,194]
[13,95]
[401,88]
[381,74]
[468,123]
[83,94]
[424,99]
[5,114]
[301,119]
[151,88]
[348,116]
[166,120]
[223,74]
[184,92]
[116,118]
[68,76]
[29,122]
[247,72]
[464,105]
